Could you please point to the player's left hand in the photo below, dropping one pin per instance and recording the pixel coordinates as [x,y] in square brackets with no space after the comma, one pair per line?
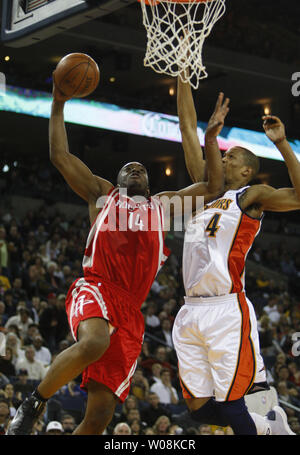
[274,128]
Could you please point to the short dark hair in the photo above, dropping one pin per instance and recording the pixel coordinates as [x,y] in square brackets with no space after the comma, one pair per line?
[165,370]
[251,160]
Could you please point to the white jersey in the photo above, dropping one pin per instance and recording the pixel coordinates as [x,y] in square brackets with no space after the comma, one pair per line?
[216,244]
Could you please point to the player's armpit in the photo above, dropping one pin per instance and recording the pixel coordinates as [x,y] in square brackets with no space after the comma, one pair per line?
[270,199]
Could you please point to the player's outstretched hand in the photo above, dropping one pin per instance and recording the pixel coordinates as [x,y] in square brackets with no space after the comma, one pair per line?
[216,121]
[57,94]
[274,128]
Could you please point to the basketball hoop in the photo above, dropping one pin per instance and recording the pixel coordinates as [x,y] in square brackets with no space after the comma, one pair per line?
[176,31]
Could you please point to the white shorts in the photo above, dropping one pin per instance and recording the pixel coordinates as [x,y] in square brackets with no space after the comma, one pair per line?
[217,346]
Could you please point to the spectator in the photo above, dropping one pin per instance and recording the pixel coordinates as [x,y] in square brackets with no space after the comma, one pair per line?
[4,281]
[14,343]
[3,381]
[132,415]
[288,395]
[32,331]
[6,365]
[162,425]
[166,333]
[53,321]
[22,385]
[4,415]
[156,370]
[160,356]
[38,427]
[272,310]
[42,353]
[69,424]
[22,321]
[152,322]
[139,385]
[54,428]
[122,428]
[205,430]
[10,306]
[136,427]
[14,399]
[130,403]
[166,393]
[3,314]
[154,410]
[35,368]
[3,248]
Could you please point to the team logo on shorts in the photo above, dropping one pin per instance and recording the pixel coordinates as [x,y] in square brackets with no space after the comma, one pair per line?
[80,303]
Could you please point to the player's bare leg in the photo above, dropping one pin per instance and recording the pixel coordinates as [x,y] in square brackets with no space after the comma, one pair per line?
[93,341]
[100,409]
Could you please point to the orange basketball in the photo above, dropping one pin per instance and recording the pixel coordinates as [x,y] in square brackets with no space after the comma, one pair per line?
[76,75]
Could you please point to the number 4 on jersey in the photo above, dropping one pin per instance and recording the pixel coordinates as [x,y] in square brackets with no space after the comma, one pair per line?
[212,226]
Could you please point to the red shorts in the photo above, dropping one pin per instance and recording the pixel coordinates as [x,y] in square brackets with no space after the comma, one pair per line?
[89,299]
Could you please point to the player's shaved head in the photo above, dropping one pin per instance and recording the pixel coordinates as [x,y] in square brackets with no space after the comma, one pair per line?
[134,177]
[250,160]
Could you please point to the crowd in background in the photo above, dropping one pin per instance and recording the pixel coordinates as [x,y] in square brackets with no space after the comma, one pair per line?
[253,27]
[40,256]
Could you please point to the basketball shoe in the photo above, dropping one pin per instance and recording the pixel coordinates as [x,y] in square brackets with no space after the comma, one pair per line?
[26,415]
[277,420]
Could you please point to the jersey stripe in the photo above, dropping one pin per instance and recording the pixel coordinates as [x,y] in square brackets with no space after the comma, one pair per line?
[126,382]
[186,393]
[245,234]
[91,241]
[246,362]
[160,224]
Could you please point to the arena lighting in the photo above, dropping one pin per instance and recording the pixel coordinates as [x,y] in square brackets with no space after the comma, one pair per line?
[133,121]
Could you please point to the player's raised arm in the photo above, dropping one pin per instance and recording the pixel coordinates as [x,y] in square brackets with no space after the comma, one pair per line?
[267,197]
[193,153]
[275,131]
[215,184]
[212,152]
[76,173]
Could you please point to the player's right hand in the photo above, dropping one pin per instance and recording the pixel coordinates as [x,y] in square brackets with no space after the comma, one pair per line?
[57,94]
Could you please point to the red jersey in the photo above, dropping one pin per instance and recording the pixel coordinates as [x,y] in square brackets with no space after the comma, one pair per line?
[125,245]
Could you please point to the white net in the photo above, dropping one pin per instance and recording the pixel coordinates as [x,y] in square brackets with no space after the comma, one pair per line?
[176,31]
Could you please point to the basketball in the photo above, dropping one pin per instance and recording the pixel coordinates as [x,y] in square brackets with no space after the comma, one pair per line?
[76,75]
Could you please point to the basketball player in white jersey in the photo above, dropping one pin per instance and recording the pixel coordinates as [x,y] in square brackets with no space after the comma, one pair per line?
[215,332]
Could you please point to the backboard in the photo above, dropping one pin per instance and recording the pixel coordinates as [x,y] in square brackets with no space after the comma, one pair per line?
[25,22]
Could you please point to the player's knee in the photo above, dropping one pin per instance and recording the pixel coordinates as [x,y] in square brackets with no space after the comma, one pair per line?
[92,348]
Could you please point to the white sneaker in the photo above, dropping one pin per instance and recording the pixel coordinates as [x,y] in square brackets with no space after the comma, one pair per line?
[277,420]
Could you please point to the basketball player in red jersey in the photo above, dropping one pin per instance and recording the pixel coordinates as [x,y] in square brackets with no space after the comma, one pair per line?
[124,251]
[215,333]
